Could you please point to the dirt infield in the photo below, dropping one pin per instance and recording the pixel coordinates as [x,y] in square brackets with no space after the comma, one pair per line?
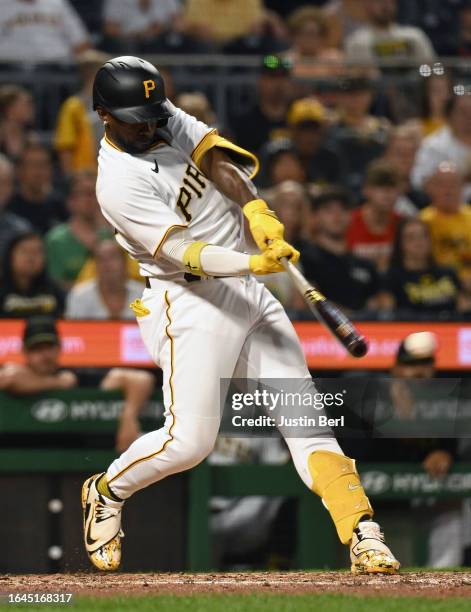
[425,584]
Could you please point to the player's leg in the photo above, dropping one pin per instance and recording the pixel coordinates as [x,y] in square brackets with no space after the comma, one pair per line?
[196,337]
[273,351]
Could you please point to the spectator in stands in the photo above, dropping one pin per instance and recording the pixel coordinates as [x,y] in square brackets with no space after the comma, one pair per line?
[133,26]
[449,220]
[289,200]
[310,54]
[383,38]
[415,359]
[403,144]
[16,118]
[78,129]
[309,130]
[197,104]
[281,163]
[10,224]
[42,372]
[110,294]
[373,226]
[239,26]
[35,199]
[415,282]
[266,119]
[358,136]
[26,288]
[450,143]
[437,91]
[348,280]
[41,31]
[345,17]
[71,244]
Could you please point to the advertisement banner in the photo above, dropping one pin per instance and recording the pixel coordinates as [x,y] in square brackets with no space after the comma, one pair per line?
[112,343]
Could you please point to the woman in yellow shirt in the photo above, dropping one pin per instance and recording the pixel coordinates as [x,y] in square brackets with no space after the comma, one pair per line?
[77,132]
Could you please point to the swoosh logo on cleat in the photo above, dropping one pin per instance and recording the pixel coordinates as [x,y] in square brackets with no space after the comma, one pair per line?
[90,541]
[88,538]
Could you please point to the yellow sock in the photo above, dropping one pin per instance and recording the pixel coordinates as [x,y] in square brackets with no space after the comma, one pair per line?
[104,489]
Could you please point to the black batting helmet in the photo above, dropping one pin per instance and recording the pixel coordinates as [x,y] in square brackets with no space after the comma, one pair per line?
[131,89]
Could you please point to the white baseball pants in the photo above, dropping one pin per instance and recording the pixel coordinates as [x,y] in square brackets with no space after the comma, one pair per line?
[200,333]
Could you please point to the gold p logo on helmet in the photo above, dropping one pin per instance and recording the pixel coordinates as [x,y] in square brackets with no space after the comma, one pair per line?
[148,87]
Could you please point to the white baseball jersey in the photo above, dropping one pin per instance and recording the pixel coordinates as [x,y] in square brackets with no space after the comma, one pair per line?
[40,31]
[148,195]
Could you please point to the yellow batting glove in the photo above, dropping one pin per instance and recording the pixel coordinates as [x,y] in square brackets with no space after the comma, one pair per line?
[263,222]
[268,262]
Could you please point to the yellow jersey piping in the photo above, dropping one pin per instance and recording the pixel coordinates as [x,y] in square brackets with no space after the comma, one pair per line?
[112,144]
[206,143]
[213,139]
[165,236]
[159,143]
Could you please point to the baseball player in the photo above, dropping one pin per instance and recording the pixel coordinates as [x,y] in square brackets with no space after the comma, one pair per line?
[176,194]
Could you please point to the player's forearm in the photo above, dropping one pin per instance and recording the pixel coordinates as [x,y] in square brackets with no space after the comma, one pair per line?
[213,260]
[32,383]
[203,259]
[218,261]
[136,385]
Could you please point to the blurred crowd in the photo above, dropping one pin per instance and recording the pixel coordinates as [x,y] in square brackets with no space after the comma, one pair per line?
[372,185]
[374,191]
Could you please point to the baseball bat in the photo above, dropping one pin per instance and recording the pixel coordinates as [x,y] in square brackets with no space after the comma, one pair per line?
[327,313]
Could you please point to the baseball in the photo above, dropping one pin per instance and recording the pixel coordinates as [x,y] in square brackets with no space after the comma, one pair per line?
[421,344]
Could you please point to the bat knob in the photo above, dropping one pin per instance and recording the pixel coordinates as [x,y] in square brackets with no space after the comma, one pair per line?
[358,347]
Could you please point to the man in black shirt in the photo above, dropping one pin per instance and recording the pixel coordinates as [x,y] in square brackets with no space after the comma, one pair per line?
[348,280]
[10,224]
[35,199]
[309,133]
[415,361]
[265,121]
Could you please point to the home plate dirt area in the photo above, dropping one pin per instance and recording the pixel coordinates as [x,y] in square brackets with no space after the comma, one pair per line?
[424,584]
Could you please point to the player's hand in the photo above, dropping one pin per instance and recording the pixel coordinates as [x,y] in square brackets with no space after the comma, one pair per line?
[66,380]
[264,224]
[128,431]
[268,262]
[437,463]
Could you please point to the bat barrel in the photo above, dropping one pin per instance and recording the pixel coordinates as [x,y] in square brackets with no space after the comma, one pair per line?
[342,328]
[357,347]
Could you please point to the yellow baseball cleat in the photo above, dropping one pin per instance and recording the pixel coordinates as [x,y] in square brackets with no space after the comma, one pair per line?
[368,552]
[101,526]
